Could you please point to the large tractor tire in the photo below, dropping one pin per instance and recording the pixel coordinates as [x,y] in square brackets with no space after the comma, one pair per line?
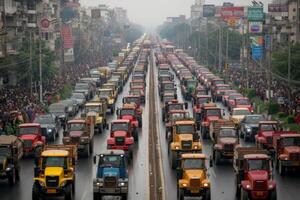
[69,192]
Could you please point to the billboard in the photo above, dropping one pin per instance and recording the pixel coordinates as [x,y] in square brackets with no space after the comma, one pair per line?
[209,10]
[257,40]
[273,7]
[257,52]
[255,27]
[255,13]
[232,12]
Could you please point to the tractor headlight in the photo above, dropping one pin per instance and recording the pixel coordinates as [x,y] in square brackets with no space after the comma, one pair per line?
[177,148]
[248,129]
[99,184]
[8,169]
[195,147]
[184,184]
[49,130]
[205,184]
[247,186]
[122,184]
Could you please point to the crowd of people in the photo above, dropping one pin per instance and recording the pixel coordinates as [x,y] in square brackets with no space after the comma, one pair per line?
[18,104]
[259,82]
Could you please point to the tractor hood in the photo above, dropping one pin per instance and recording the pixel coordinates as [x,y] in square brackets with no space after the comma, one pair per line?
[54,171]
[128,117]
[76,133]
[111,171]
[194,174]
[28,137]
[292,149]
[258,175]
[184,137]
[228,140]
[267,133]
[213,118]
[120,134]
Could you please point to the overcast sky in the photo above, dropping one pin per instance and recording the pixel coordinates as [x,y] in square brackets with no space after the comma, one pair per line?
[154,12]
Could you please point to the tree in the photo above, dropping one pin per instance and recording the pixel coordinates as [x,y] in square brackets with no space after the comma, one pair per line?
[280,62]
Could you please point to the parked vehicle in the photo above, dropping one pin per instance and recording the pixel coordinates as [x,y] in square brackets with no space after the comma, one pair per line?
[50,126]
[192,177]
[80,132]
[31,134]
[225,139]
[249,126]
[111,176]
[183,139]
[11,151]
[252,167]
[287,151]
[121,137]
[54,174]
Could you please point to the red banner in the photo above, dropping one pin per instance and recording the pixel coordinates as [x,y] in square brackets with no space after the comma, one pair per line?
[66,33]
[232,12]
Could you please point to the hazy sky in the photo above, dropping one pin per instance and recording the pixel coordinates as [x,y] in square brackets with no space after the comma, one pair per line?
[154,12]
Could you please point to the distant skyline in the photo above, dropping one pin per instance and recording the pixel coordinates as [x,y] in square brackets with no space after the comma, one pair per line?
[151,13]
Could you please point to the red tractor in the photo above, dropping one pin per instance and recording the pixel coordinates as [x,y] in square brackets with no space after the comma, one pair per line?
[253,174]
[243,102]
[287,151]
[172,105]
[198,102]
[31,134]
[219,90]
[133,99]
[129,112]
[209,114]
[199,90]
[121,137]
[264,136]
[138,90]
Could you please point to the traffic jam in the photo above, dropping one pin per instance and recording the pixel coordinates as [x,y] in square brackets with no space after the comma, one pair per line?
[195,107]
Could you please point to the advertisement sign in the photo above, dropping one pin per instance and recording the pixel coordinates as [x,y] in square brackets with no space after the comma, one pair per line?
[255,27]
[277,7]
[209,10]
[255,13]
[232,12]
[69,55]
[44,24]
[257,52]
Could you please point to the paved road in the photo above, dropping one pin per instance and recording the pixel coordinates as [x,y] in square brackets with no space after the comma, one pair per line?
[85,169]
[222,177]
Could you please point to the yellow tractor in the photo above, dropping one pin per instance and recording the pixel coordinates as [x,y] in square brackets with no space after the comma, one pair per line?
[192,176]
[54,174]
[184,139]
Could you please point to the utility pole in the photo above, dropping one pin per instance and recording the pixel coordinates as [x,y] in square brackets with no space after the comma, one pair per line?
[206,35]
[289,65]
[247,56]
[220,48]
[226,54]
[40,69]
[30,60]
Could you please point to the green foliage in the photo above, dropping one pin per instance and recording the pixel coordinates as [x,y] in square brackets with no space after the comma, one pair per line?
[183,35]
[250,93]
[281,115]
[280,62]
[65,92]
[273,108]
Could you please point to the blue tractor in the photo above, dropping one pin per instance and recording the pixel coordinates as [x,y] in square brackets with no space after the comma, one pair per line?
[112,177]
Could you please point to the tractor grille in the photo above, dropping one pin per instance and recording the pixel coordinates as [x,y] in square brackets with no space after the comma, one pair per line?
[27,143]
[186,145]
[294,156]
[52,181]
[75,140]
[269,140]
[260,185]
[120,141]
[195,182]
[110,181]
[228,147]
